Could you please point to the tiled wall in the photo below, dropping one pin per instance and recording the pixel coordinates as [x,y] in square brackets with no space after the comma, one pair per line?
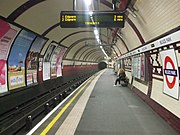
[167,102]
[155,17]
[128,74]
[130,38]
[142,87]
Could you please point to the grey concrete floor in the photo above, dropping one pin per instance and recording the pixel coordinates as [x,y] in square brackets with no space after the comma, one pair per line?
[118,111]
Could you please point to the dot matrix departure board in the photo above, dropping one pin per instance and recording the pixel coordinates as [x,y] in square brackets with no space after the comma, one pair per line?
[75,19]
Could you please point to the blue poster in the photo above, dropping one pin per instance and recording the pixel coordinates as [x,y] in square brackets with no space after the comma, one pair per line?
[16,60]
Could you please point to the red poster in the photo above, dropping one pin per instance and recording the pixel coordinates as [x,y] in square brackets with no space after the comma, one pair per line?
[7,35]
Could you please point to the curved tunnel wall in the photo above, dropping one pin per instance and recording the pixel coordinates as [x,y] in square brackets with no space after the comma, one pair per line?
[151,21]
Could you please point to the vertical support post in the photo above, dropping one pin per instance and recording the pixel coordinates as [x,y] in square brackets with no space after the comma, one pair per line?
[55,102]
[60,97]
[47,109]
[28,123]
[64,94]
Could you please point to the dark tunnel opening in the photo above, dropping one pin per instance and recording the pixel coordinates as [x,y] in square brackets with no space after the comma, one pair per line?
[102,65]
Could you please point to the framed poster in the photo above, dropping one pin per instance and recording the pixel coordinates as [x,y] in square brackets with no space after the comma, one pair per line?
[8,33]
[46,70]
[59,66]
[170,73]
[49,52]
[16,60]
[47,58]
[32,60]
[54,58]
[136,67]
[40,69]
[53,69]
[142,67]
[132,67]
[139,67]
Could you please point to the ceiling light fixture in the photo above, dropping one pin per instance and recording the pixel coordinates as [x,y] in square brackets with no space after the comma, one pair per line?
[88,2]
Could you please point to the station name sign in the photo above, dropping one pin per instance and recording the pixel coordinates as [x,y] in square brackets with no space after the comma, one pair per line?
[75,19]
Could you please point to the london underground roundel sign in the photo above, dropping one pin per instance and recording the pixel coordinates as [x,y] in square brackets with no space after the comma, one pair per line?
[170,73]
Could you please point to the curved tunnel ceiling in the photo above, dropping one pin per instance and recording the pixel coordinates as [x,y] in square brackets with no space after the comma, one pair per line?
[42,17]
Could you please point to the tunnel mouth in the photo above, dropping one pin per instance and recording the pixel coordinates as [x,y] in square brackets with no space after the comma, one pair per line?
[102,65]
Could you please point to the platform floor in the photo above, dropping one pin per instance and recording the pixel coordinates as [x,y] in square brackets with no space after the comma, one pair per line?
[102,109]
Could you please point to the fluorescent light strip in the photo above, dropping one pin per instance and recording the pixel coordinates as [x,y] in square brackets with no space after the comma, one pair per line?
[88,2]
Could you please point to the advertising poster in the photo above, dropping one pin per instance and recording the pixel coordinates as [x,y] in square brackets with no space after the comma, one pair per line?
[136,67]
[55,56]
[46,70]
[16,60]
[132,67]
[139,67]
[142,67]
[32,60]
[59,61]
[53,69]
[40,70]
[127,63]
[49,52]
[8,33]
[170,73]
[121,64]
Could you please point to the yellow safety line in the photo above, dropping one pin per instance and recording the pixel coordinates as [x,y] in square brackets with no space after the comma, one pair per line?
[44,132]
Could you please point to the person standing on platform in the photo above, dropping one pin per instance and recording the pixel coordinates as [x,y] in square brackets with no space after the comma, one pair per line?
[121,74]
